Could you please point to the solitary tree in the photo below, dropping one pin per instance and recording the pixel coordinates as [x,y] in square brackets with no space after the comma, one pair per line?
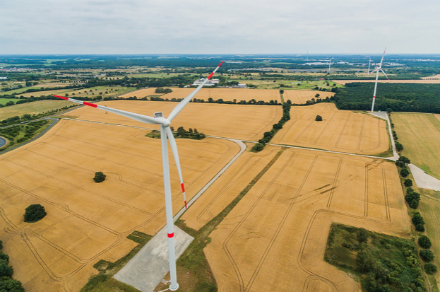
[34,213]
[99,177]
[318,118]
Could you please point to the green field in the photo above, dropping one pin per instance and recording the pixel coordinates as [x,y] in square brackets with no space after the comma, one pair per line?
[35,107]
[293,84]
[430,209]
[93,92]
[6,100]
[380,262]
[420,136]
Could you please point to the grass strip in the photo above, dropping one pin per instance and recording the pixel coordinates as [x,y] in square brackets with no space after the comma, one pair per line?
[103,282]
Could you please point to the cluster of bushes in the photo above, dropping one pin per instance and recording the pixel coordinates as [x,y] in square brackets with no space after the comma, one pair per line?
[418,222]
[412,198]
[384,273]
[267,136]
[29,131]
[34,213]
[384,263]
[192,134]
[404,171]
[7,284]
[163,90]
[99,177]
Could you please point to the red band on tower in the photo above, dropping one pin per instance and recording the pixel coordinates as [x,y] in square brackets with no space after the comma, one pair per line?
[170,235]
[90,104]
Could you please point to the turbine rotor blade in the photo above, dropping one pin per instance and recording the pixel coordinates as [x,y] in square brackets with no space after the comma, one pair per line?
[187,99]
[384,74]
[176,159]
[134,116]
[382,57]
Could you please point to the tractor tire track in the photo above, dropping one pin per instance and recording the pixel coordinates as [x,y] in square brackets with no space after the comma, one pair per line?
[225,243]
[330,198]
[280,226]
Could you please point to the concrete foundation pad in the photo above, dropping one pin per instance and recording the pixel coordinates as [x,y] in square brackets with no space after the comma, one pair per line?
[424,180]
[148,267]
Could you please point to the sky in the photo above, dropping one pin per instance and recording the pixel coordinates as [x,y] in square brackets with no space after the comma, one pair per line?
[219,27]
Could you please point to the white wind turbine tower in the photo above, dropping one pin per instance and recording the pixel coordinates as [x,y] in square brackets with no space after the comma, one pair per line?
[329,64]
[165,132]
[369,63]
[377,69]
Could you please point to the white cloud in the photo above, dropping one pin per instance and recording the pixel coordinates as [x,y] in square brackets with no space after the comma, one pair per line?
[203,27]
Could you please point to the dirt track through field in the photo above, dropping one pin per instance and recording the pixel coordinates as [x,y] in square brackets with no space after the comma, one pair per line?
[247,122]
[87,221]
[343,131]
[280,227]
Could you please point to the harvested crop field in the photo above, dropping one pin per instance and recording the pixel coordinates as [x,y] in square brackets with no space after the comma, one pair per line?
[226,188]
[275,238]
[246,122]
[32,108]
[87,221]
[420,136]
[227,94]
[141,93]
[422,81]
[301,96]
[342,131]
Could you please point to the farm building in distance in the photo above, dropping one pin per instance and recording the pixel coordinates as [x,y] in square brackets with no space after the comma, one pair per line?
[211,82]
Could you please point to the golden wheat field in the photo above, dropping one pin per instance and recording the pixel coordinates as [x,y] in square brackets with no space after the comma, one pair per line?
[141,93]
[87,221]
[301,96]
[246,122]
[275,238]
[227,94]
[342,131]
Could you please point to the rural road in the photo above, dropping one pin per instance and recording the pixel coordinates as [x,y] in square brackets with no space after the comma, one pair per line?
[54,121]
[2,142]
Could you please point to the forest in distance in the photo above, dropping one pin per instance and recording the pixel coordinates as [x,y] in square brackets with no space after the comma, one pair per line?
[400,97]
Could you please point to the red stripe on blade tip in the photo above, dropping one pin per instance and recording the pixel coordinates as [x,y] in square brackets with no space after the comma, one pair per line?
[186,207]
[210,75]
[90,104]
[183,187]
[62,97]
[170,235]
[220,64]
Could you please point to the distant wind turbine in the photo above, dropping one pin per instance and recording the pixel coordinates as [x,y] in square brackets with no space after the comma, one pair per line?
[369,63]
[329,64]
[165,132]
[377,69]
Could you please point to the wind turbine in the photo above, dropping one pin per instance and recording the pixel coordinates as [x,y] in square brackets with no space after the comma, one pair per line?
[165,132]
[329,64]
[377,69]
[369,63]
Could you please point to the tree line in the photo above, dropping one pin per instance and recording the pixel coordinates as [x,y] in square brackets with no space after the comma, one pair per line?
[402,97]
